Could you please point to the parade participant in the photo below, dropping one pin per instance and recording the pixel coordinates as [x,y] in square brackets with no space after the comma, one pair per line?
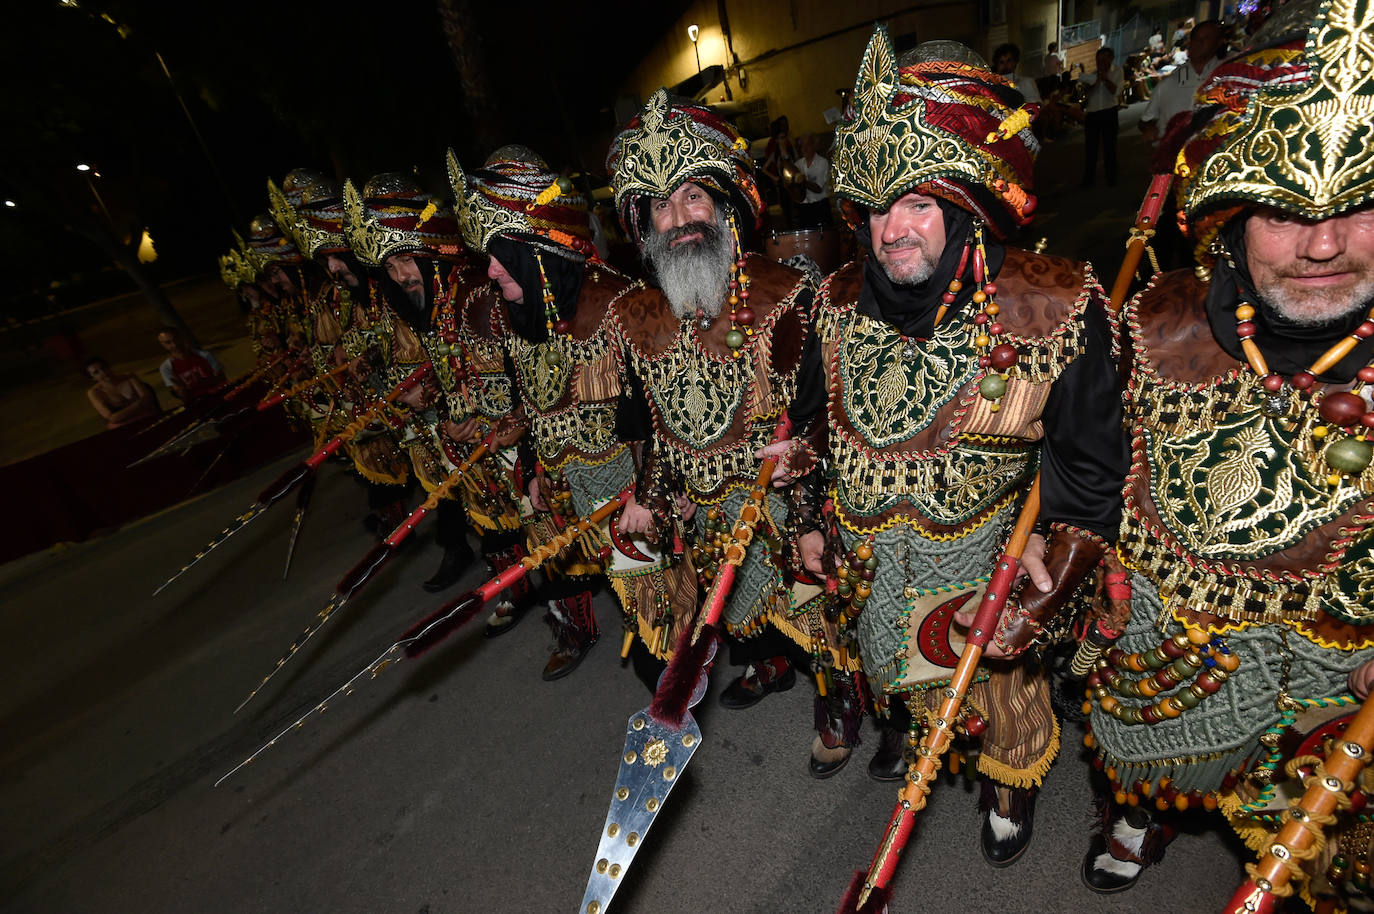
[947,366]
[1246,539]
[348,326]
[188,372]
[119,398]
[567,365]
[280,276]
[442,297]
[715,350]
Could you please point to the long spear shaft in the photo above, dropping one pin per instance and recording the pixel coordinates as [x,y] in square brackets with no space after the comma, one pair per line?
[912,798]
[1302,823]
[297,473]
[373,562]
[447,619]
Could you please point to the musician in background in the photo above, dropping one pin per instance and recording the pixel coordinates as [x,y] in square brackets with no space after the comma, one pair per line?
[814,209]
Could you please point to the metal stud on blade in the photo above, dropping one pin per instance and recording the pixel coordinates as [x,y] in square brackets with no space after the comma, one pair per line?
[651,765]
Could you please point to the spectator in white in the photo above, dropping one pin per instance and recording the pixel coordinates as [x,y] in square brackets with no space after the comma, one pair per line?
[119,398]
[188,373]
[1054,61]
[1100,125]
[814,210]
[1174,93]
[1005,60]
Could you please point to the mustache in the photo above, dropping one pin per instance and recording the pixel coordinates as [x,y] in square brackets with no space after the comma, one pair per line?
[902,244]
[706,230]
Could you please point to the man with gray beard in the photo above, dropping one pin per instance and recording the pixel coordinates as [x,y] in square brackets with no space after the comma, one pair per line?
[715,350]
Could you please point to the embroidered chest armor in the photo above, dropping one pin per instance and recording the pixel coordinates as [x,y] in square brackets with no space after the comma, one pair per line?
[1228,509]
[712,410]
[571,383]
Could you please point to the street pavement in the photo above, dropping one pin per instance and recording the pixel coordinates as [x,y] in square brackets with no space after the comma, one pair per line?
[458,781]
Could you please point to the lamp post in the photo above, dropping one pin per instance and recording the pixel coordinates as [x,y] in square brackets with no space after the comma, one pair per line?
[87,172]
[693,33]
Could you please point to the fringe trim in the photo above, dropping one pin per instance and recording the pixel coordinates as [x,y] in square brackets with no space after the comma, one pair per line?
[1031,775]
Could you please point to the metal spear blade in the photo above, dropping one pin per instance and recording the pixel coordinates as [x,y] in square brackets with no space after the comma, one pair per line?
[234,527]
[651,765]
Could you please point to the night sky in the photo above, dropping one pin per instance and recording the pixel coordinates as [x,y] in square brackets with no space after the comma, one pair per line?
[351,89]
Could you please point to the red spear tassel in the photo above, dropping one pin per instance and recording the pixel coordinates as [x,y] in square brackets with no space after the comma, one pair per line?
[443,622]
[679,680]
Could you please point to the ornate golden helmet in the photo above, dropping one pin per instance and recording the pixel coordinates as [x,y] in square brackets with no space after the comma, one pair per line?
[394,216]
[235,269]
[1291,125]
[515,193]
[943,124]
[268,242]
[671,142]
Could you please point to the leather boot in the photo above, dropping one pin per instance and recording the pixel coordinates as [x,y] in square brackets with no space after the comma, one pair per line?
[760,678]
[515,599]
[1128,841]
[574,627]
[838,716]
[1008,821]
[889,762]
[451,568]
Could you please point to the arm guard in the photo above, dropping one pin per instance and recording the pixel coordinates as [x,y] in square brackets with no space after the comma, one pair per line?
[1071,555]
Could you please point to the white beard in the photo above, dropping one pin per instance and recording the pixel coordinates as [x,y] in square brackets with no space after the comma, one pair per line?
[693,275]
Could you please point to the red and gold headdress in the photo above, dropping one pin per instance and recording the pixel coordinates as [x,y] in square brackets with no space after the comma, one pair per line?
[394,216]
[944,125]
[517,194]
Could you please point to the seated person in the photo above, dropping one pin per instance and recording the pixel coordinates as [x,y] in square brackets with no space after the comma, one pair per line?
[119,398]
[188,373]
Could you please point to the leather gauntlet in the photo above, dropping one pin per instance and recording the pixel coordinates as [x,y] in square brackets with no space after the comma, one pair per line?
[1071,555]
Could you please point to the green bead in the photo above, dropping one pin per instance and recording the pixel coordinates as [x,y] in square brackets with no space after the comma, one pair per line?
[734,339]
[553,357]
[992,387]
[1188,698]
[1349,455]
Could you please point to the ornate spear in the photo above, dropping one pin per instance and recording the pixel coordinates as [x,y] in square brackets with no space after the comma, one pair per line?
[304,386]
[447,619]
[870,891]
[661,739]
[374,561]
[297,473]
[1301,838]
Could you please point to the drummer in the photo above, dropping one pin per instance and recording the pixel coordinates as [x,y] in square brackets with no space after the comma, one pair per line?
[814,209]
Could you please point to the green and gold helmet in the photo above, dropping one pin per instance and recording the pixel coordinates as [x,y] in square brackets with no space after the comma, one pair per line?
[516,194]
[673,141]
[393,215]
[1288,123]
[941,123]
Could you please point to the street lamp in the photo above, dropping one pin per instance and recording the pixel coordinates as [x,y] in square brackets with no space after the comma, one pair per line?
[11,204]
[88,171]
[693,33]
[83,167]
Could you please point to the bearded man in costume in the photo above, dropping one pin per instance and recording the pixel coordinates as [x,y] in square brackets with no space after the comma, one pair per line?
[568,366]
[949,366]
[715,350]
[348,325]
[1247,541]
[441,296]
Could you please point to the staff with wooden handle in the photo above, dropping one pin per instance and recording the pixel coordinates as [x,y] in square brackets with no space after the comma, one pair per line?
[1328,789]
[870,891]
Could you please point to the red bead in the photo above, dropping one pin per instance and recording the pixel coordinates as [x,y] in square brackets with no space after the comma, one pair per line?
[1003,356]
[1229,781]
[1365,329]
[1115,656]
[1273,383]
[996,329]
[1194,799]
[1343,409]
[1172,650]
[560,327]
[1097,762]
[980,319]
[733,284]
[1149,715]
[947,298]
[1366,374]
[990,288]
[1094,679]
[744,294]
[984,361]
[1303,380]
[1367,420]
[1358,801]
[744,317]
[975,724]
[1245,329]
[1207,683]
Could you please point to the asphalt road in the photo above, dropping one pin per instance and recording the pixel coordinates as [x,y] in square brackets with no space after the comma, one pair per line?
[459,781]
[456,782]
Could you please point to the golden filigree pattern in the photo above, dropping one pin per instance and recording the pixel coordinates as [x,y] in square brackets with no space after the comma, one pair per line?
[658,155]
[479,219]
[697,396]
[1309,151]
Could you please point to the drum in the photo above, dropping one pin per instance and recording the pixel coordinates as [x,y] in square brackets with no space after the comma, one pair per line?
[822,245]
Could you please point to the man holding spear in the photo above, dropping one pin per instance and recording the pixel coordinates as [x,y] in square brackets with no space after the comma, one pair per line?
[951,366]
[1242,622]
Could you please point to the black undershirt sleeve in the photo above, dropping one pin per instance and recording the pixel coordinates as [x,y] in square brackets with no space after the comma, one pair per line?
[1085,454]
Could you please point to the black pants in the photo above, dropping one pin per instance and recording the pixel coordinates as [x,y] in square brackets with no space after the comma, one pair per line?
[1100,127]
